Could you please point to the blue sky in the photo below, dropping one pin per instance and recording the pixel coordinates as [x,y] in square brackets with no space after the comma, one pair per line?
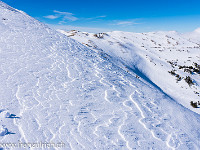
[109,15]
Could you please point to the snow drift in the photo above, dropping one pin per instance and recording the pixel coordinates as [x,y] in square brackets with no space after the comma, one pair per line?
[169,60]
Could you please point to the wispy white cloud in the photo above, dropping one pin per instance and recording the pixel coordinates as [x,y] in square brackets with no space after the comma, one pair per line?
[65,16]
[102,16]
[125,22]
[97,17]
[51,17]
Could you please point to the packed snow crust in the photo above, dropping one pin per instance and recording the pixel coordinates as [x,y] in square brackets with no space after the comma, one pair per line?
[54,89]
[153,56]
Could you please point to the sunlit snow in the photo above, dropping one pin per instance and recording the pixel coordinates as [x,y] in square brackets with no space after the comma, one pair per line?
[54,89]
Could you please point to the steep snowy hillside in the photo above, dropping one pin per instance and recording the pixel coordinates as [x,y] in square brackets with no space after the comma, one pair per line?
[55,90]
[169,59]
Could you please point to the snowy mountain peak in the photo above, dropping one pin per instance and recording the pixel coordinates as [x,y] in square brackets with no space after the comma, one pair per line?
[197,30]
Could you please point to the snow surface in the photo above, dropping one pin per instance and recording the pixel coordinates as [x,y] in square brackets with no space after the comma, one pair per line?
[54,89]
[194,36]
[151,56]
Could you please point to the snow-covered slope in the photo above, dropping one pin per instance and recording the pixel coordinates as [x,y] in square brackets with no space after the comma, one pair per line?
[53,89]
[168,59]
[193,36]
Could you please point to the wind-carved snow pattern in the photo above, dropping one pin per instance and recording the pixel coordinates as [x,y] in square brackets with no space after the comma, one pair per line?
[168,59]
[61,91]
